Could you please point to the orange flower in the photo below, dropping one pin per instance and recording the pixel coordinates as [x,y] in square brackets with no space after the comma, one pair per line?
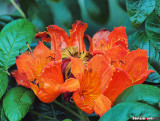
[40,71]
[60,39]
[131,68]
[87,86]
[104,40]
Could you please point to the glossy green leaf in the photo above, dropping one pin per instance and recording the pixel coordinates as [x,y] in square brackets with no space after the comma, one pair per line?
[13,39]
[140,40]
[141,93]
[127,110]
[139,10]
[17,103]
[5,19]
[29,7]
[3,83]
[97,10]
[152,27]
[67,120]
[122,4]
[157,8]
[2,115]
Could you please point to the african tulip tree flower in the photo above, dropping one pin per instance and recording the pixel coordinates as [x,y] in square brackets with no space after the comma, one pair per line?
[131,68]
[60,39]
[87,86]
[40,70]
[104,40]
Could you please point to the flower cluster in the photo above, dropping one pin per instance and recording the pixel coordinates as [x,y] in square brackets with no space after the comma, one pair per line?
[93,78]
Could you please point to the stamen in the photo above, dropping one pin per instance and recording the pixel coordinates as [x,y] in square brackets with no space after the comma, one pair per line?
[28,46]
[34,81]
[122,62]
[113,62]
[52,58]
[85,70]
[90,70]
[20,52]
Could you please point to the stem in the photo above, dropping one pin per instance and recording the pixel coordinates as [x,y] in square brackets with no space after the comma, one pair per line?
[68,109]
[5,72]
[54,114]
[38,114]
[18,8]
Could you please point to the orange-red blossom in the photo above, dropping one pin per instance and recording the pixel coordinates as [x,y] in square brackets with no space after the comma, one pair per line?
[87,87]
[40,70]
[111,70]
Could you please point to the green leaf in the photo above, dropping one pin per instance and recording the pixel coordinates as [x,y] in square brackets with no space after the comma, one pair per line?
[97,10]
[122,4]
[2,115]
[140,40]
[139,10]
[29,7]
[13,39]
[5,19]
[157,8]
[125,111]
[141,93]
[152,27]
[3,83]
[67,120]
[17,103]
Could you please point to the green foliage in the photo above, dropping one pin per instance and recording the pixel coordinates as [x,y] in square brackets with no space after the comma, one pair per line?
[5,19]
[13,39]
[2,115]
[125,111]
[67,120]
[139,10]
[152,27]
[100,14]
[141,93]
[142,41]
[3,83]
[122,4]
[143,14]
[157,8]
[30,8]
[17,103]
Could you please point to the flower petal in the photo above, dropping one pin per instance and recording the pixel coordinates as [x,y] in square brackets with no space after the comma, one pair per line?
[43,36]
[106,78]
[77,35]
[120,81]
[135,53]
[98,64]
[70,85]
[59,37]
[49,82]
[101,105]
[77,68]
[136,67]
[41,51]
[21,78]
[79,101]
[100,35]
[143,77]
[64,64]
[26,64]
[118,37]
[117,55]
